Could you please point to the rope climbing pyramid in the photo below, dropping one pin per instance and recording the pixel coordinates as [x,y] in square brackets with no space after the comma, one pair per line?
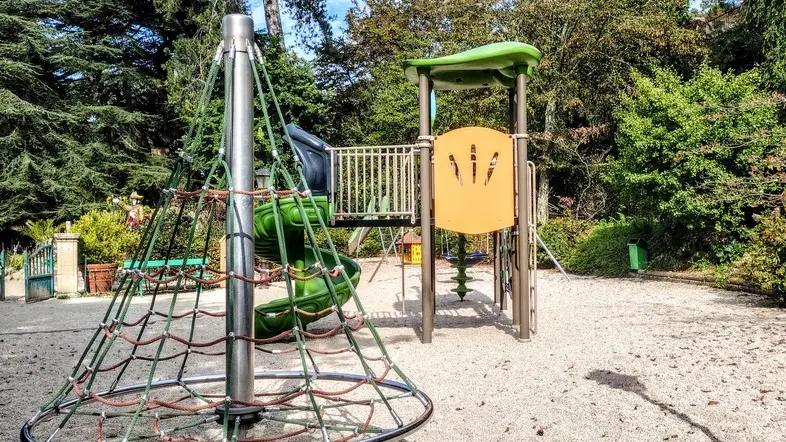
[182,367]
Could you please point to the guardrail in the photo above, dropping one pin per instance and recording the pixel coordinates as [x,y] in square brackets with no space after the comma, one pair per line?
[374,180]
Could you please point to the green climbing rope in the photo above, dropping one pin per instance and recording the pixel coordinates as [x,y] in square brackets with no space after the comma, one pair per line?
[291,403]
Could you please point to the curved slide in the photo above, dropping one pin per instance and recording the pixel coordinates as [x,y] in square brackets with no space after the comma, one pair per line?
[312,295]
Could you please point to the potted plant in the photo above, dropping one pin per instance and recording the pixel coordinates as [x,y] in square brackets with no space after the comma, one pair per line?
[106,241]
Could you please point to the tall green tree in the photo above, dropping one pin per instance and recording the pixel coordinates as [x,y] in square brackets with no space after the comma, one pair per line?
[84,103]
[590,50]
[700,157]
[769,16]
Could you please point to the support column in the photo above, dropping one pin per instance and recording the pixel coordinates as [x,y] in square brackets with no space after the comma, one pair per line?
[426,284]
[67,266]
[498,292]
[237,30]
[523,251]
[515,287]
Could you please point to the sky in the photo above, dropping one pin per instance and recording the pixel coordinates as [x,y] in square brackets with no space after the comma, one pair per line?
[337,10]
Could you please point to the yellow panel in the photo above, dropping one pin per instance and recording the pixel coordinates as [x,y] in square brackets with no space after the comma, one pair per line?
[473,180]
[417,255]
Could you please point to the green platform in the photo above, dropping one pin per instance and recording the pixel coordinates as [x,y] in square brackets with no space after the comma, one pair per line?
[494,64]
[312,295]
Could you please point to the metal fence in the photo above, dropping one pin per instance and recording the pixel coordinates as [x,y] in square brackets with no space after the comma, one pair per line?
[374,180]
[39,273]
[532,210]
[2,275]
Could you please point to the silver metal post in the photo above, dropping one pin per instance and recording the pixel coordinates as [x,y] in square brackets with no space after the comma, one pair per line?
[426,287]
[238,29]
[523,250]
[498,294]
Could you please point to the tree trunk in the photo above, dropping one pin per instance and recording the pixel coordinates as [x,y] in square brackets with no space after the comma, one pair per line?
[544,174]
[273,21]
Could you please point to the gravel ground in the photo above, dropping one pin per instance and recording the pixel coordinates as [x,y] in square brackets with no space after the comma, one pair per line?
[614,359]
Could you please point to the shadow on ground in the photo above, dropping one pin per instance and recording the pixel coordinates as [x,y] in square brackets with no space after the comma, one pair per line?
[632,384]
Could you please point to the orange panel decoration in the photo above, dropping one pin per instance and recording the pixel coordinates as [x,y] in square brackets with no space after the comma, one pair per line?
[473,180]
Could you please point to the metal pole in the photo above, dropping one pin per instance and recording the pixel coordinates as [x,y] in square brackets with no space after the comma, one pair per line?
[523,202]
[497,271]
[426,286]
[403,277]
[237,30]
[515,286]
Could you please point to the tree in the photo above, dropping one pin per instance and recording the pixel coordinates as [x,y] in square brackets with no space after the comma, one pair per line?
[83,103]
[56,159]
[273,21]
[769,16]
[590,50]
[700,157]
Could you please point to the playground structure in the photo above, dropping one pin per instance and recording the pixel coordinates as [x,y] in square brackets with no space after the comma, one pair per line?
[266,231]
[271,236]
[446,173]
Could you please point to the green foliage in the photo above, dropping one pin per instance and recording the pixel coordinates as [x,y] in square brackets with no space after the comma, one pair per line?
[78,99]
[39,231]
[562,236]
[370,247]
[174,235]
[589,49]
[768,17]
[698,156]
[15,261]
[105,237]
[764,263]
[604,251]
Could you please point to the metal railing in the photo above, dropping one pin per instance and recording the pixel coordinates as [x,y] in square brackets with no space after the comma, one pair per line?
[385,175]
[2,274]
[39,273]
[532,210]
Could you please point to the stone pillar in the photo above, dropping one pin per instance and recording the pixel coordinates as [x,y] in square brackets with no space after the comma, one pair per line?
[67,263]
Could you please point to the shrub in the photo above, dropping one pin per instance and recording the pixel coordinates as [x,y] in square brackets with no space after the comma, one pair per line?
[561,236]
[764,263]
[604,251]
[175,232]
[371,246]
[39,231]
[15,261]
[105,237]
[703,154]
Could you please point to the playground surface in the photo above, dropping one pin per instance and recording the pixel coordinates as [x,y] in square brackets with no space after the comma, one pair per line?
[614,359]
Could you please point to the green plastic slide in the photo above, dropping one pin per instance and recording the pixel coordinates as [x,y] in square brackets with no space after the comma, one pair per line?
[312,295]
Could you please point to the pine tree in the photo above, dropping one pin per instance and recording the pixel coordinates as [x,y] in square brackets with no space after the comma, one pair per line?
[82,104]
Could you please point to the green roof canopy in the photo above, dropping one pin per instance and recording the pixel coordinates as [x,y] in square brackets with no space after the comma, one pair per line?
[494,64]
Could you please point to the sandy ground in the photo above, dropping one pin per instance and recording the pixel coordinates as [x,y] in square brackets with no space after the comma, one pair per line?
[614,359]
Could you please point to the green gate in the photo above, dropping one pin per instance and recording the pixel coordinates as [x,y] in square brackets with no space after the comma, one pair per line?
[39,274]
[2,275]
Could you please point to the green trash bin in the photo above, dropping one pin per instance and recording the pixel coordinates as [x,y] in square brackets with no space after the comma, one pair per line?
[638,254]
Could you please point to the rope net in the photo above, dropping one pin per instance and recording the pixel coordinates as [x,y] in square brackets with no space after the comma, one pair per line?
[158,367]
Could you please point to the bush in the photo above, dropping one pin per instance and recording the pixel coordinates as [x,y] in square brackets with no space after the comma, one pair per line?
[105,236]
[39,231]
[15,261]
[701,156]
[370,247]
[764,263]
[174,235]
[561,236]
[604,251]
